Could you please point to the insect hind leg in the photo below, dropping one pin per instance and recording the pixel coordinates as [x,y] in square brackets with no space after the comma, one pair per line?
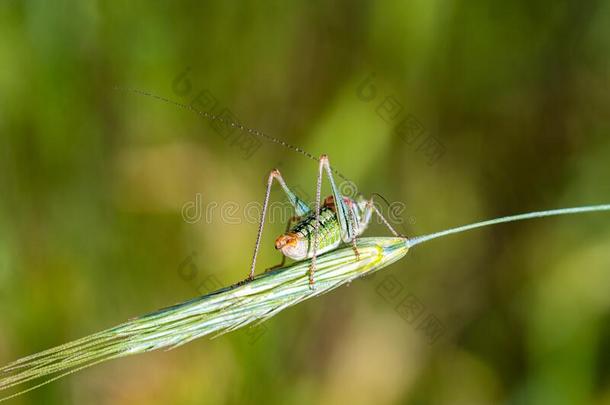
[344,215]
[370,208]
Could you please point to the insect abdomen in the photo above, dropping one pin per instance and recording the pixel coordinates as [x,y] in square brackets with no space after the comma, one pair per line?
[329,235]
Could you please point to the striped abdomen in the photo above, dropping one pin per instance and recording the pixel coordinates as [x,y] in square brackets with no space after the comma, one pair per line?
[329,230]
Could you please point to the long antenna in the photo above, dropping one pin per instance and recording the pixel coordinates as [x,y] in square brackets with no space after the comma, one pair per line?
[538,214]
[232,124]
[213,117]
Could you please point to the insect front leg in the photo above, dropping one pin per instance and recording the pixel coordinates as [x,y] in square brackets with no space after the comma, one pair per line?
[300,207]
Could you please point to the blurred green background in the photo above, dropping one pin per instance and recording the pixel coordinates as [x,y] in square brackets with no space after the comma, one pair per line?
[94,180]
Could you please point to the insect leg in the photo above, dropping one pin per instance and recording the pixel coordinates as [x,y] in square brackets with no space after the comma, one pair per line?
[354,242]
[371,206]
[345,213]
[300,207]
[346,220]
[348,231]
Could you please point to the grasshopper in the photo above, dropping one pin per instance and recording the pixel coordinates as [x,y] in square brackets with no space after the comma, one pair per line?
[337,220]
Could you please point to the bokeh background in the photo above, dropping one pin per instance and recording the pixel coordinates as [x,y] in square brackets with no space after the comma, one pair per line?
[94,180]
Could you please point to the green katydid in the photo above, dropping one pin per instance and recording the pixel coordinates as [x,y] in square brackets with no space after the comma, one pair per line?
[340,219]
